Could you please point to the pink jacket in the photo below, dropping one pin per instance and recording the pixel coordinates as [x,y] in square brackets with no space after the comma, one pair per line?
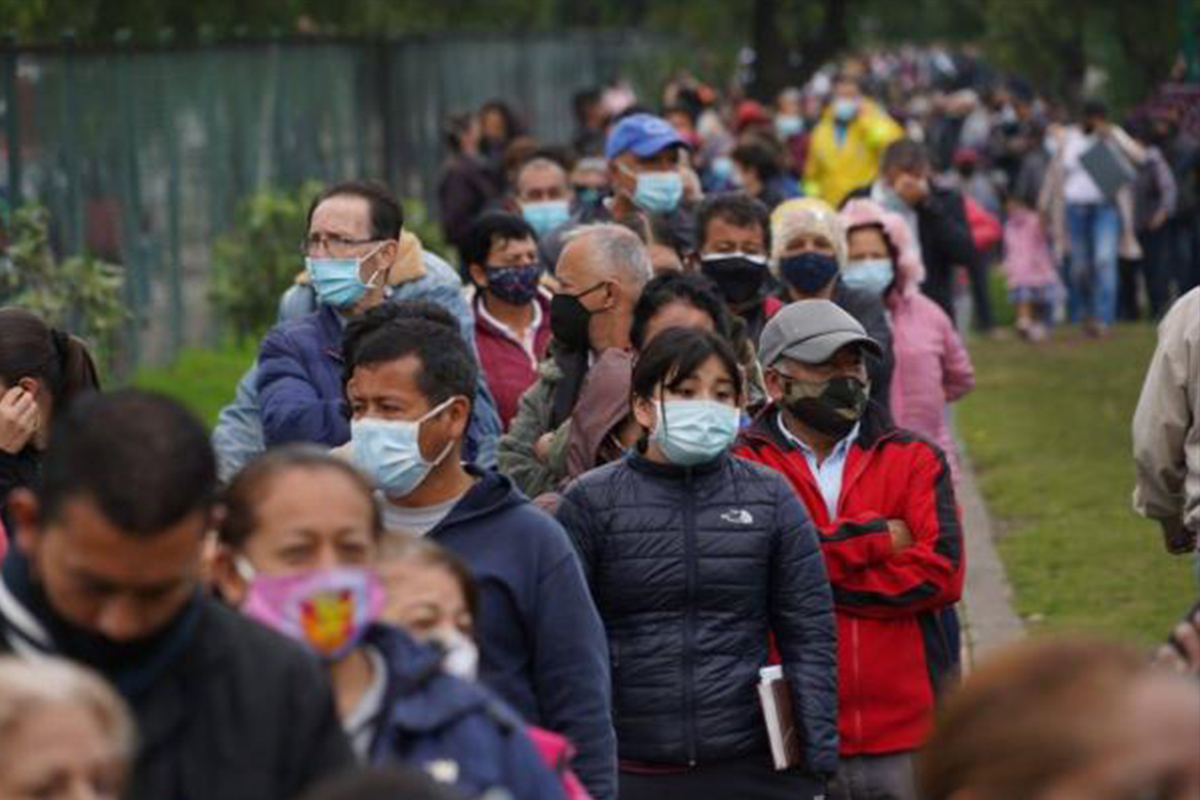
[1028,263]
[933,368]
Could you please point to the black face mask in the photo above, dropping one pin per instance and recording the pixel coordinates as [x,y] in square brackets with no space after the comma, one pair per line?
[830,407]
[130,664]
[738,278]
[570,319]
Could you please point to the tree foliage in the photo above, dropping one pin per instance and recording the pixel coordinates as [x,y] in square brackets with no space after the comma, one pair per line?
[81,293]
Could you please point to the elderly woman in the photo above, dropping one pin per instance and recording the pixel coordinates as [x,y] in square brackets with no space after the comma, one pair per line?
[808,254]
[64,733]
[932,368]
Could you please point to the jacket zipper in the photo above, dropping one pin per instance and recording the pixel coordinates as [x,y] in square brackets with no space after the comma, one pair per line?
[857,682]
[689,632]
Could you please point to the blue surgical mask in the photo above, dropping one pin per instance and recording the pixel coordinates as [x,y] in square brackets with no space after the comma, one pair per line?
[691,432]
[874,275]
[658,192]
[389,452]
[844,109]
[808,273]
[588,196]
[337,281]
[788,125]
[546,215]
[722,168]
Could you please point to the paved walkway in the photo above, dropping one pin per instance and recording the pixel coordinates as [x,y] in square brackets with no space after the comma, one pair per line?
[989,620]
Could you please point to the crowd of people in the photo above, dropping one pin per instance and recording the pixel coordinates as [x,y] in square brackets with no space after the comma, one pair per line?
[540,525]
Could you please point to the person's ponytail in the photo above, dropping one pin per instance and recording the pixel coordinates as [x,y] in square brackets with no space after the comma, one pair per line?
[77,369]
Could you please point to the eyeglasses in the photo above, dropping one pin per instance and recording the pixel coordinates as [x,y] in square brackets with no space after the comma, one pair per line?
[334,245]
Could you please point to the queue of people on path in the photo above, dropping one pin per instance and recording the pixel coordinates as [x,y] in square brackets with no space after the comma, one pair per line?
[545,526]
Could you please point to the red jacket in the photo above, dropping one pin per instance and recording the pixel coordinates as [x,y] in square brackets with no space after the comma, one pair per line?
[507,367]
[892,651]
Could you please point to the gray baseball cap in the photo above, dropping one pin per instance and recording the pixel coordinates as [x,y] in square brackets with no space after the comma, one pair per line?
[811,331]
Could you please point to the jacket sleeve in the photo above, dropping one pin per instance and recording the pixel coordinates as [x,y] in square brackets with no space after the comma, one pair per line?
[317,744]
[238,435]
[805,632]
[515,454]
[292,410]
[571,672]
[958,374]
[1163,418]
[927,575]
[577,517]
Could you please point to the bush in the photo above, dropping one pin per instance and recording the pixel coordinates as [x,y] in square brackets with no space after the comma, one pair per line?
[81,294]
[260,258]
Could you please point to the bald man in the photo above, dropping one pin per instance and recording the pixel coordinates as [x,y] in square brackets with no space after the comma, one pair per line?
[601,273]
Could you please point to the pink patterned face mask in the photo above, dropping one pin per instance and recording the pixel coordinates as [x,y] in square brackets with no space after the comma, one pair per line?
[327,609]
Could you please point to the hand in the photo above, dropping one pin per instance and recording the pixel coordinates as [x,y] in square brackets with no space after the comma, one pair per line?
[1177,539]
[1182,654]
[18,420]
[1158,220]
[902,537]
[911,190]
[542,448]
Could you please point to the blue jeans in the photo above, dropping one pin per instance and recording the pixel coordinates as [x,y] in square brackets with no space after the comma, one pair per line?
[1095,231]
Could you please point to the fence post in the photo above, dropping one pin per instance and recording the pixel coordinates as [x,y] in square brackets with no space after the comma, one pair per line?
[383,65]
[12,119]
[70,148]
[174,256]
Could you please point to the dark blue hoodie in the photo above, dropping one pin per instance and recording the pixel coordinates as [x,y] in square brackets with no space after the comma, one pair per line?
[433,722]
[542,645]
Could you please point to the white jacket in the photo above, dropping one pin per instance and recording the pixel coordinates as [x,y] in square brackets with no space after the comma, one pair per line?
[1166,425]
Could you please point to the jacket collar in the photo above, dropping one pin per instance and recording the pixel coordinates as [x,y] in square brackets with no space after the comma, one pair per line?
[875,427]
[491,494]
[640,463]
[330,327]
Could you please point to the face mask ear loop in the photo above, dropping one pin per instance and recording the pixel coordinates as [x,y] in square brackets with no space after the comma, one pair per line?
[430,415]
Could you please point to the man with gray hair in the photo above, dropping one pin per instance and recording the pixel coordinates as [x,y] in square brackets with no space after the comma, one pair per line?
[601,273]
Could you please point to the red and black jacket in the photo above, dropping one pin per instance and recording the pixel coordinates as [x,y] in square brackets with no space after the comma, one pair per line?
[892,650]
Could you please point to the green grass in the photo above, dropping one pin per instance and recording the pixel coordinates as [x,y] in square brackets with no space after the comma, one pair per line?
[1048,430]
[204,380]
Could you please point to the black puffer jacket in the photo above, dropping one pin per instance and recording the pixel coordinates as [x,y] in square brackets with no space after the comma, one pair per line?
[691,570]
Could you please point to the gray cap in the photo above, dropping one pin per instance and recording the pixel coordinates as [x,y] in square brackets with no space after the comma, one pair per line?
[811,331]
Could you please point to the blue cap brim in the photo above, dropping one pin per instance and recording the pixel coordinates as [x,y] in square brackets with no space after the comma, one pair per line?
[651,146]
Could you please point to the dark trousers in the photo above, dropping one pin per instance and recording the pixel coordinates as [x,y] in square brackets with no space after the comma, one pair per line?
[1153,272]
[752,778]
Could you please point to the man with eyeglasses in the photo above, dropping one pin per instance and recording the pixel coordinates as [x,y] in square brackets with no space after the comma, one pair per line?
[356,257]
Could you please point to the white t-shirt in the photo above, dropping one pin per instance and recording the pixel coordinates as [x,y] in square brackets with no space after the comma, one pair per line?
[364,719]
[1078,186]
[419,521]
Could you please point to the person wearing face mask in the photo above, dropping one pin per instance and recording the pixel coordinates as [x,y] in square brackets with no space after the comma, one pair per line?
[883,503]
[353,248]
[298,544]
[933,368]
[106,571]
[646,176]
[433,596]
[695,558]
[808,254]
[847,143]
[543,194]
[541,645]
[601,274]
[512,314]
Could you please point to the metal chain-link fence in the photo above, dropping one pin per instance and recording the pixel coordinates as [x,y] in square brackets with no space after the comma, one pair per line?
[142,153]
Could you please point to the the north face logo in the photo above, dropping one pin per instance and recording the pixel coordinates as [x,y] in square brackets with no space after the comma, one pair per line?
[738,516]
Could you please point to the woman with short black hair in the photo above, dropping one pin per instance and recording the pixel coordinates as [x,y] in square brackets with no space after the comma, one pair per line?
[695,558]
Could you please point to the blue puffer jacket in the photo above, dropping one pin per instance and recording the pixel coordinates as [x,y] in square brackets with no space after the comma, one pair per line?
[692,570]
[299,389]
[457,732]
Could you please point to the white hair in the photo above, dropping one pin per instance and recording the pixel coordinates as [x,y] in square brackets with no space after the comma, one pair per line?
[26,687]
[618,252]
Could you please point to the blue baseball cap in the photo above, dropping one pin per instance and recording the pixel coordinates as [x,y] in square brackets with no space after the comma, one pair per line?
[643,135]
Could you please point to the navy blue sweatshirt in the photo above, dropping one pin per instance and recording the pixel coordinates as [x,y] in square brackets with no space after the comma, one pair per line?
[542,646]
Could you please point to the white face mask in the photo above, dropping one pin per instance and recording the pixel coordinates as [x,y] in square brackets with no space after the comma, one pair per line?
[460,655]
